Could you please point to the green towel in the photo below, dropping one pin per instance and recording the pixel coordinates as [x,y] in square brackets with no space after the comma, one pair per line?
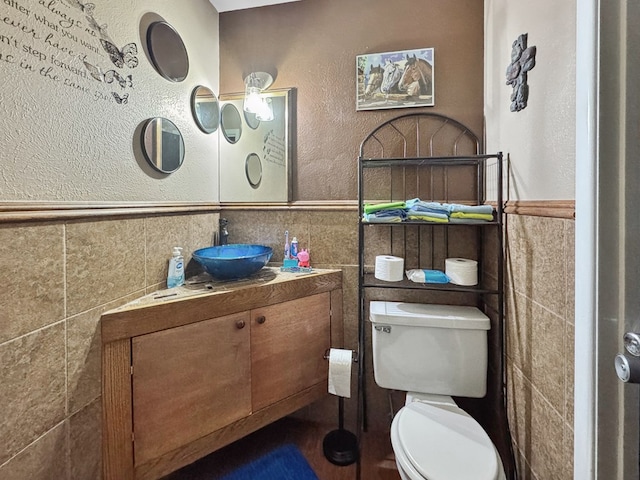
[474,216]
[383,206]
[426,217]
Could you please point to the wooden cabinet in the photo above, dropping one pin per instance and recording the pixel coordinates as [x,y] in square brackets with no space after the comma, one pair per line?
[189,381]
[288,342]
[186,377]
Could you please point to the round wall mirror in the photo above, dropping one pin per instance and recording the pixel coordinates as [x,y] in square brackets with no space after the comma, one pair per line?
[231,123]
[205,109]
[253,170]
[168,53]
[162,145]
[251,119]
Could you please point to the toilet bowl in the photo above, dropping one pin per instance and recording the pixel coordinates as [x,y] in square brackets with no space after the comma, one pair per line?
[434,439]
[435,352]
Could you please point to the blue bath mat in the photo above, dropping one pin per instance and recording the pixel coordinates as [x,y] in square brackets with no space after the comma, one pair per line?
[283,463]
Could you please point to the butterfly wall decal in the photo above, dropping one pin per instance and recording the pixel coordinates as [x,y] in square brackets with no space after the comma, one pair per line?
[121,100]
[86,8]
[120,58]
[109,76]
[100,29]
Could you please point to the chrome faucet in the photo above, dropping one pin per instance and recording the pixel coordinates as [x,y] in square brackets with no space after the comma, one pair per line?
[223,234]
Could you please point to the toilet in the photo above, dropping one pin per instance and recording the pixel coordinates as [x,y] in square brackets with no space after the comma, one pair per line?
[433,352]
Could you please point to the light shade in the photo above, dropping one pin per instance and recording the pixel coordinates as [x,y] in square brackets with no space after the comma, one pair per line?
[255,83]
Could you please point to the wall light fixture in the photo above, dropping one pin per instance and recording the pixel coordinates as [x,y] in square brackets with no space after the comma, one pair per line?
[254,102]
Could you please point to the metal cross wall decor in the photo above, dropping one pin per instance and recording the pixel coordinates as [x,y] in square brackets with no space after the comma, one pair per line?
[523,59]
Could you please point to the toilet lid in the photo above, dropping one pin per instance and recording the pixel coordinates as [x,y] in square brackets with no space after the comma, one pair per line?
[445,443]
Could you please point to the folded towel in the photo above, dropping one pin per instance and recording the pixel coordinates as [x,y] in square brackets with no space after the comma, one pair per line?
[371,208]
[373,218]
[455,208]
[418,205]
[473,216]
[428,216]
[465,220]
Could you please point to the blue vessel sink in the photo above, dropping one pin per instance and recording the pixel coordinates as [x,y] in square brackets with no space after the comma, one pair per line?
[227,262]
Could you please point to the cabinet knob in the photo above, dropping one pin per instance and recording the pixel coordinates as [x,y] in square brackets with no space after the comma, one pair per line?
[261,319]
[240,324]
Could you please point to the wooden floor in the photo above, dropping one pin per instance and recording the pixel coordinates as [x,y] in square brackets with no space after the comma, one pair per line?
[377,461]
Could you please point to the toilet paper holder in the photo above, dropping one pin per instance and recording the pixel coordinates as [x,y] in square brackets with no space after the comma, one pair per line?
[354,355]
[341,447]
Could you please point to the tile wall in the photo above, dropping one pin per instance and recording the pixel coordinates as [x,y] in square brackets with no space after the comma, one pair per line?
[67,274]
[539,269]
[540,344]
[60,278]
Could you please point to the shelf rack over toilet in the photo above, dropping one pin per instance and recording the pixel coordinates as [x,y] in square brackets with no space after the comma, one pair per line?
[416,155]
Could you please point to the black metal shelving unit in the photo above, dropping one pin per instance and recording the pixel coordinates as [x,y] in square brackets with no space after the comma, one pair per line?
[435,158]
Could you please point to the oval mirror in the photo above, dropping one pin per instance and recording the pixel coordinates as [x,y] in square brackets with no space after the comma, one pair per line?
[251,119]
[205,109]
[253,170]
[162,145]
[231,123]
[168,53]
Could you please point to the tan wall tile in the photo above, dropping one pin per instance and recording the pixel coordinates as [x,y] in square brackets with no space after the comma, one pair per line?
[567,472]
[267,228]
[45,459]
[32,397]
[569,252]
[333,238]
[34,295]
[569,376]
[540,332]
[85,443]
[105,261]
[537,260]
[202,230]
[548,349]
[84,362]
[162,234]
[536,428]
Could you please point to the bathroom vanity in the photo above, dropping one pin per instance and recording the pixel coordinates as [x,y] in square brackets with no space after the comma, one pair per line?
[186,374]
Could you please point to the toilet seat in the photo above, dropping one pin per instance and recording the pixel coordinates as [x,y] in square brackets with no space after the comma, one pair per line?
[438,442]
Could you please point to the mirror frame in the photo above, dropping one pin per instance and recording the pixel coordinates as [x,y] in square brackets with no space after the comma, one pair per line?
[159,59]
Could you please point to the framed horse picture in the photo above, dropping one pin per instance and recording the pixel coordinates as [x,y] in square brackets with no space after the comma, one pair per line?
[395,79]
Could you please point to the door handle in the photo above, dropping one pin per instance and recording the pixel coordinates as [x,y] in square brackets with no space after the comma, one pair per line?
[632,343]
[628,366]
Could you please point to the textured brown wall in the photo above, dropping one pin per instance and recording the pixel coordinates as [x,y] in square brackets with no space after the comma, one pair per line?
[312,45]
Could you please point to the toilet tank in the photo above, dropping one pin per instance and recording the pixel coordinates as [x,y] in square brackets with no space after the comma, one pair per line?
[427,348]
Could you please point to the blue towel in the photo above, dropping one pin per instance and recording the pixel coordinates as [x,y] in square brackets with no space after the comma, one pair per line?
[394,216]
[418,205]
[482,209]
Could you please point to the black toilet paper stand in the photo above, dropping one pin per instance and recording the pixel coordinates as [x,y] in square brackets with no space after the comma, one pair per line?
[340,446]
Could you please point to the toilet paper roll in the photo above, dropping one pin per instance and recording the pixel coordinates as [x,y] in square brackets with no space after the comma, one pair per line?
[461,271]
[389,268]
[340,372]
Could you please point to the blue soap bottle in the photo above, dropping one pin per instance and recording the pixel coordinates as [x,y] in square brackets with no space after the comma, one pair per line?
[175,276]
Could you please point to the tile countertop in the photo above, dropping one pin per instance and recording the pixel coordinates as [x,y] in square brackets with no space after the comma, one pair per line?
[202,297]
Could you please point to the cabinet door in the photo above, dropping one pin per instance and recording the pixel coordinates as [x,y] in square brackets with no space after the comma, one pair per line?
[189,381]
[288,341]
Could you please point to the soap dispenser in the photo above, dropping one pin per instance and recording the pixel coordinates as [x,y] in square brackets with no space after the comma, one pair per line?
[175,277]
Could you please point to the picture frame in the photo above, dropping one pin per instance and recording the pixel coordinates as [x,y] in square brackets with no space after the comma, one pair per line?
[399,79]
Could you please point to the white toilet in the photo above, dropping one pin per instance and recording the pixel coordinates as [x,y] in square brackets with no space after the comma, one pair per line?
[432,352]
